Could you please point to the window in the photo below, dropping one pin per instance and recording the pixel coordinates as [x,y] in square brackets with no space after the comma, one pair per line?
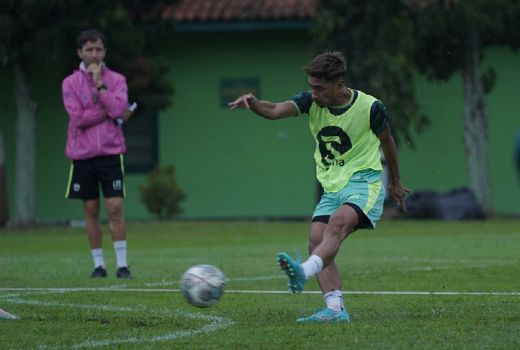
[141,142]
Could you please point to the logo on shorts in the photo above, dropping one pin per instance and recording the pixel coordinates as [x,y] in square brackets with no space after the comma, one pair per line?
[76,187]
[354,196]
[116,184]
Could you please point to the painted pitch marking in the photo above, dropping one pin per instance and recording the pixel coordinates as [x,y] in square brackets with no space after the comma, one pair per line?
[215,323]
[236,291]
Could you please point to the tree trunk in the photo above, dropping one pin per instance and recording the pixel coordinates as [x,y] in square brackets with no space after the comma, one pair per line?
[4,206]
[475,124]
[25,151]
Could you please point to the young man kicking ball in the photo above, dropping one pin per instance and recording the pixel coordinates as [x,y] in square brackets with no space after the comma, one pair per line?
[349,128]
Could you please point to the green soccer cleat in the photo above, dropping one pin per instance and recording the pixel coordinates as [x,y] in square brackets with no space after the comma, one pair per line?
[293,269]
[326,316]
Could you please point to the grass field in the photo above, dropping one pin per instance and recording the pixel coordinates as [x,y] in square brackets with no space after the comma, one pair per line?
[409,285]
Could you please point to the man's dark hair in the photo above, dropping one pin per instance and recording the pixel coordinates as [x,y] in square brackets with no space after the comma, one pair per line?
[90,35]
[330,65]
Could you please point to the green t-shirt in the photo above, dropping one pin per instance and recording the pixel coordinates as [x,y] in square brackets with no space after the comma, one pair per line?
[346,137]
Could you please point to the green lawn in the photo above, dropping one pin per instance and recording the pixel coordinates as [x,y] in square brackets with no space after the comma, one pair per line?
[148,312]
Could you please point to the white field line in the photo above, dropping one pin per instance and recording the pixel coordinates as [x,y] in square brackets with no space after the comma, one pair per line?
[235,291]
[214,322]
[7,316]
[232,279]
[428,268]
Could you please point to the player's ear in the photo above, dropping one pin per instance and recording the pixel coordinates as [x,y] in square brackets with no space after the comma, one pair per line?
[78,51]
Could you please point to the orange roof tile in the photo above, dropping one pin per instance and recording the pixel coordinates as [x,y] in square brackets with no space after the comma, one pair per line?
[237,10]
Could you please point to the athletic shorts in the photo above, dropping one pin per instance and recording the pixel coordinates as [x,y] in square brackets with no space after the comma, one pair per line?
[364,192]
[87,175]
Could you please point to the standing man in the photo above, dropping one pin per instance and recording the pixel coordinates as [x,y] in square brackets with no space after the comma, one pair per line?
[348,126]
[96,101]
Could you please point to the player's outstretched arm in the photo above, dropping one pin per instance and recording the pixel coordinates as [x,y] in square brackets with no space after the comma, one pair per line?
[397,190]
[265,109]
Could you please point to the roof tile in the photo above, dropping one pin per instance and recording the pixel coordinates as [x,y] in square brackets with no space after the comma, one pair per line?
[233,10]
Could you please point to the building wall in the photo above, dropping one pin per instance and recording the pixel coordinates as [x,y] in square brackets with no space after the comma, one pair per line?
[235,164]
[439,160]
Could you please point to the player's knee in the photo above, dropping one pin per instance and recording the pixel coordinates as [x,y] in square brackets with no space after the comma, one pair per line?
[91,211]
[115,212]
[340,228]
[336,224]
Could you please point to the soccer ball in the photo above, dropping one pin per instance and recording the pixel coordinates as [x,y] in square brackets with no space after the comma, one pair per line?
[203,285]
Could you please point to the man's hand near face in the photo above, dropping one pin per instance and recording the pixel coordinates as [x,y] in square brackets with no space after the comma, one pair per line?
[95,70]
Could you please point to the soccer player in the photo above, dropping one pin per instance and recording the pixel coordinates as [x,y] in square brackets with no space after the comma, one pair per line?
[96,101]
[349,128]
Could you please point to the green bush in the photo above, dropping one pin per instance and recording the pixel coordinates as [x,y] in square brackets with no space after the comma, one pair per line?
[161,195]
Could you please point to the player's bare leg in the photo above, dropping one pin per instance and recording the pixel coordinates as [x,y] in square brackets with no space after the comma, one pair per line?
[116,218]
[340,225]
[324,243]
[95,236]
[329,278]
[117,226]
[93,225]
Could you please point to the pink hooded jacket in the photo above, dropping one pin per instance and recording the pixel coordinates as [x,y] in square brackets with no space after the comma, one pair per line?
[89,133]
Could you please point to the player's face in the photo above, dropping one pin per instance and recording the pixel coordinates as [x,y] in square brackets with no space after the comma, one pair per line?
[325,93]
[92,52]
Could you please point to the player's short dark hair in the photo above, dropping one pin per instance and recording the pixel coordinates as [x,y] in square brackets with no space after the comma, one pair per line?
[90,35]
[329,65]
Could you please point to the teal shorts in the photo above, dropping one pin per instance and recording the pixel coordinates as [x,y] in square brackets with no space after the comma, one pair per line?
[364,192]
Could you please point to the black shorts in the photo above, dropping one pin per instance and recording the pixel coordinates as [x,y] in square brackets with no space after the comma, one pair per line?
[363,221]
[87,174]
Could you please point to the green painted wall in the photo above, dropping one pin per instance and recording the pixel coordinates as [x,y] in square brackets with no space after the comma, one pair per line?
[438,162]
[234,164]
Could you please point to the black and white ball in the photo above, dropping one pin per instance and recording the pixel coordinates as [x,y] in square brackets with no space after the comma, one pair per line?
[203,285]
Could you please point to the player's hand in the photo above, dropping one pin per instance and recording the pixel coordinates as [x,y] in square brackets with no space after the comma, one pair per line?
[126,115]
[398,192]
[95,70]
[243,101]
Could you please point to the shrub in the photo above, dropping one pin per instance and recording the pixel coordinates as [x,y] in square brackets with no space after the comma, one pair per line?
[161,195]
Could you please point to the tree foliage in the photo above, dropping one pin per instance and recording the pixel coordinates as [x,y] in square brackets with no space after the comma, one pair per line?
[442,31]
[452,37]
[378,42]
[44,32]
[387,42]
[36,33]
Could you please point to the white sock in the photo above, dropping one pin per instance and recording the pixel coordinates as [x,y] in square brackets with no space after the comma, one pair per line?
[97,256]
[312,266]
[334,300]
[120,249]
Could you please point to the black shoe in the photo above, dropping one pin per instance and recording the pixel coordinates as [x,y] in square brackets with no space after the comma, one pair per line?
[123,272]
[99,271]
